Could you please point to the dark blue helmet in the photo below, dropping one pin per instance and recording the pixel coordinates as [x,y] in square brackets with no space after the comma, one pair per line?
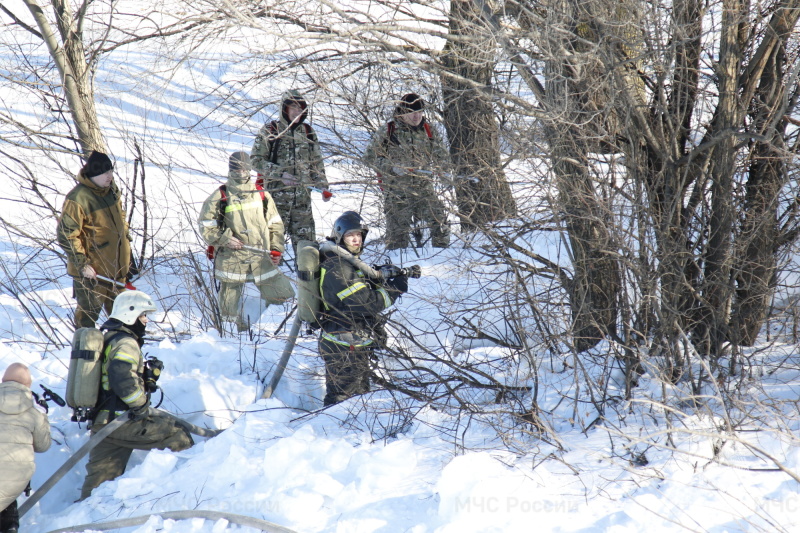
[348,221]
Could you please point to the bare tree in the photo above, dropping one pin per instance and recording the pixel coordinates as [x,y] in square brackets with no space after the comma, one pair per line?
[707,154]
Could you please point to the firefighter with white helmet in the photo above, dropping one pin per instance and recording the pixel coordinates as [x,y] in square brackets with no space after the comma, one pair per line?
[124,392]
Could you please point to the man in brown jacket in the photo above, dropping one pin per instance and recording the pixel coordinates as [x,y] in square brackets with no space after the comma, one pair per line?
[23,430]
[93,232]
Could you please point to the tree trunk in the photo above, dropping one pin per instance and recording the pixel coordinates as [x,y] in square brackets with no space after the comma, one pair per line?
[70,59]
[575,92]
[757,244]
[596,280]
[469,60]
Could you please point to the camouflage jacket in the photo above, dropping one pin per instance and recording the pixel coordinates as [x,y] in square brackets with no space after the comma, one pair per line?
[401,145]
[296,152]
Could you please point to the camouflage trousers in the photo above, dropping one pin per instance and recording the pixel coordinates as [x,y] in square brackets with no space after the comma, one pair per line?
[406,202]
[108,459]
[298,219]
[92,297]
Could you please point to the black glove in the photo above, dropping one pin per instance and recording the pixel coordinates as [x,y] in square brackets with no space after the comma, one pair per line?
[398,284]
[133,270]
[141,412]
[41,401]
[389,271]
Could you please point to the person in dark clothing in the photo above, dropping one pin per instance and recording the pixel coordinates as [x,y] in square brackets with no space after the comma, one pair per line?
[353,300]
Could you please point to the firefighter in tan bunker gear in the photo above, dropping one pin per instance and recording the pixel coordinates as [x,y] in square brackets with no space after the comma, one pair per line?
[244,227]
[123,393]
[23,430]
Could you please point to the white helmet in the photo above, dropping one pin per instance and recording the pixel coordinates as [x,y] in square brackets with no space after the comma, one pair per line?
[129,305]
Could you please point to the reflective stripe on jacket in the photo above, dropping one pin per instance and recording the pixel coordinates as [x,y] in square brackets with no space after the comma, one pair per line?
[351,302]
[244,219]
[122,385]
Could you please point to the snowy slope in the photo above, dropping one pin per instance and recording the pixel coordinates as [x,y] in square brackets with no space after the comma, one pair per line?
[355,467]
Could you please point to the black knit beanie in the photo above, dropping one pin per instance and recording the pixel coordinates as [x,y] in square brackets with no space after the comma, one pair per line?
[410,103]
[98,163]
[239,161]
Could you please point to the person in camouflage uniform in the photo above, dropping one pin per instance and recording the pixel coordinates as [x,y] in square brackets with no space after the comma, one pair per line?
[409,143]
[123,393]
[244,232]
[286,154]
[93,232]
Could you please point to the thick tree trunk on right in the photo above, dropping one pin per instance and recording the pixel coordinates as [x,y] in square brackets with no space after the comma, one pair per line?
[760,238]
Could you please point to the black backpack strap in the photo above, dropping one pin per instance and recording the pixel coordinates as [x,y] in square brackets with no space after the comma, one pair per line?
[390,136]
[223,203]
[273,140]
[103,399]
[312,138]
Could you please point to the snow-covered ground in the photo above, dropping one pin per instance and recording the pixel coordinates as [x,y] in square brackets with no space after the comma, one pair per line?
[663,461]
[354,467]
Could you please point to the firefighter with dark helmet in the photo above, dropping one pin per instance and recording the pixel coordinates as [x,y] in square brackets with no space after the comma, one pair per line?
[123,393]
[352,305]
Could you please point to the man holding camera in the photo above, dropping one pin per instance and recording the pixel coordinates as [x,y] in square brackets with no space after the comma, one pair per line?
[23,431]
[352,304]
[127,381]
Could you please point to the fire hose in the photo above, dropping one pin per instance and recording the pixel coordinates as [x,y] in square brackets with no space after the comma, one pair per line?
[96,439]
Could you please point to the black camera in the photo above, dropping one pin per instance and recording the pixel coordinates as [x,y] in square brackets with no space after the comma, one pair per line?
[48,395]
[152,371]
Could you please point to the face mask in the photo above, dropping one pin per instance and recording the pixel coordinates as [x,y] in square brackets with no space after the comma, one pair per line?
[138,329]
[239,177]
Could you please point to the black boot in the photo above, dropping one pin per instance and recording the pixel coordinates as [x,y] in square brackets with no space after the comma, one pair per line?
[9,519]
